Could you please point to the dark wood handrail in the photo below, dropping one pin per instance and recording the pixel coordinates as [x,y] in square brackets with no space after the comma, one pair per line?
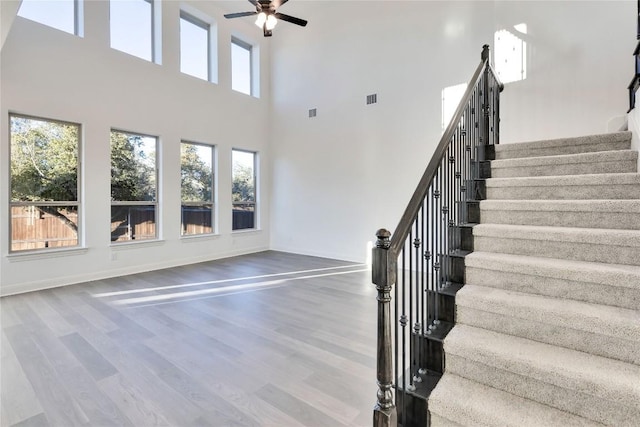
[406,221]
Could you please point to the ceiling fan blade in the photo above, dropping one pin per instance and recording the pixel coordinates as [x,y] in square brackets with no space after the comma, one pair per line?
[277,3]
[254,2]
[239,14]
[291,19]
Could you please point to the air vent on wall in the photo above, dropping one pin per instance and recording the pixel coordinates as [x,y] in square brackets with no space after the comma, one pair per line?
[313,112]
[372,99]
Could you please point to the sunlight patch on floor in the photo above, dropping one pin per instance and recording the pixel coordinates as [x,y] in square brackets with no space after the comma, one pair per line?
[215,282]
[174,297]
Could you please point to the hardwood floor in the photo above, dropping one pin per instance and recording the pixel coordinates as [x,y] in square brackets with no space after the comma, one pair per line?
[270,339]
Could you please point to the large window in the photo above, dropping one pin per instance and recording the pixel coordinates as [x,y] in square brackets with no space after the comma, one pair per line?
[242,66]
[511,54]
[61,14]
[132,27]
[197,187]
[134,188]
[195,47]
[45,176]
[244,189]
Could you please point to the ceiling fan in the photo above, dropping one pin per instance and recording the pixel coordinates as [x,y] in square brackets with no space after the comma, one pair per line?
[268,15]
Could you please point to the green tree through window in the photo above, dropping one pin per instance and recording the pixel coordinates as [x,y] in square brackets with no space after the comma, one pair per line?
[196,170]
[243,189]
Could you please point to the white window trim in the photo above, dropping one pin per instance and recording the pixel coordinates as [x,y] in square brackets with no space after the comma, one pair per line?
[156,31]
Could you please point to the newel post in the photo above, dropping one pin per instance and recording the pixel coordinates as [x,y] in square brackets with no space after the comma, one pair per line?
[383,276]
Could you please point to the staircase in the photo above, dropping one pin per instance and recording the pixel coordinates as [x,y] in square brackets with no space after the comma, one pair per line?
[548,322]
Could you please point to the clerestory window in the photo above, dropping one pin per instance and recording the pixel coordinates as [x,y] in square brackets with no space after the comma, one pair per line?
[64,15]
[243,69]
[195,47]
[132,27]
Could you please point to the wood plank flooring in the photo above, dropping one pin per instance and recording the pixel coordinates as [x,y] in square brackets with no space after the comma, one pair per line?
[269,339]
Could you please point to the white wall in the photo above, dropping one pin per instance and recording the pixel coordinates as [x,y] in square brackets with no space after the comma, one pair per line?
[580,63]
[351,170]
[8,10]
[52,74]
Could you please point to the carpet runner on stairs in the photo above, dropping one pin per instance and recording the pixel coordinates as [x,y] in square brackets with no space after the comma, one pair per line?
[548,322]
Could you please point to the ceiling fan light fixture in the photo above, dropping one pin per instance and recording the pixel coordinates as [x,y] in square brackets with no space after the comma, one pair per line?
[271,22]
[261,19]
[267,15]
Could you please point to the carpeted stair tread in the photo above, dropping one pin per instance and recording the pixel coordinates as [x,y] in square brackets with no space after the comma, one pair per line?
[619,214]
[618,161]
[586,186]
[582,244]
[593,328]
[584,179]
[460,401]
[548,322]
[559,146]
[594,387]
[593,272]
[609,284]
[629,238]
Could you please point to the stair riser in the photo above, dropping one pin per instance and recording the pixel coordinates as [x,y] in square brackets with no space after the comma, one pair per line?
[561,150]
[628,166]
[554,287]
[560,250]
[567,335]
[569,192]
[542,390]
[615,220]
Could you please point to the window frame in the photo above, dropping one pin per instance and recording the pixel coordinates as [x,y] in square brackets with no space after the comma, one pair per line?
[78,203]
[251,49]
[214,193]
[78,14]
[194,20]
[255,190]
[155,202]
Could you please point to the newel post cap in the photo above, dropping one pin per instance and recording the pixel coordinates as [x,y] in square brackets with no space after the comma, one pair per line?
[383,236]
[485,52]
